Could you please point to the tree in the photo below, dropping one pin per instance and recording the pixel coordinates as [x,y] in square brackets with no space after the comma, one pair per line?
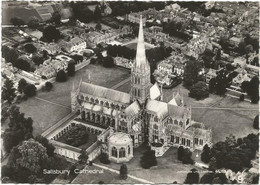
[148,159]
[50,33]
[180,152]
[191,73]
[30,90]
[98,26]
[199,91]
[22,64]
[192,177]
[256,122]
[61,76]
[254,89]
[16,21]
[56,17]
[32,160]
[21,85]
[97,13]
[48,86]
[212,84]
[123,171]
[71,69]
[10,54]
[242,97]
[108,62]
[8,91]
[222,82]
[207,178]
[19,128]
[83,158]
[92,61]
[186,158]
[30,48]
[205,155]
[45,142]
[33,22]
[213,164]
[104,158]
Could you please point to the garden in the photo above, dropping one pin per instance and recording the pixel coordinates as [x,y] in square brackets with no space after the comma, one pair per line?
[78,136]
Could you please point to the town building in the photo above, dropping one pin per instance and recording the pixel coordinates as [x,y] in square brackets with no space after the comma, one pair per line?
[75,44]
[144,120]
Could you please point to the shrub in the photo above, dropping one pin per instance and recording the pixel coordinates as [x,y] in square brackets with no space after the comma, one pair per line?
[104,158]
[48,86]
[256,122]
[242,97]
[71,69]
[123,171]
[77,136]
[61,76]
[30,90]
[199,91]
[148,159]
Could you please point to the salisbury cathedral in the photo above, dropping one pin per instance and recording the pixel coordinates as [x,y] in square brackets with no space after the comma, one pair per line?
[141,115]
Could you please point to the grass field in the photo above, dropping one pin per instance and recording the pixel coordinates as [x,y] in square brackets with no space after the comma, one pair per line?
[168,168]
[44,114]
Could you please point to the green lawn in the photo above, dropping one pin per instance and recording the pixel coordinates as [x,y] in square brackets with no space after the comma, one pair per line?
[168,168]
[106,176]
[44,114]
[91,139]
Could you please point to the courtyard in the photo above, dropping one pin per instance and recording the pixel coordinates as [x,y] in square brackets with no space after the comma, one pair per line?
[92,138]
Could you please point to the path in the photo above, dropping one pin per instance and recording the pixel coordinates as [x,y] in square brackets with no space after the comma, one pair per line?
[47,101]
[121,83]
[116,171]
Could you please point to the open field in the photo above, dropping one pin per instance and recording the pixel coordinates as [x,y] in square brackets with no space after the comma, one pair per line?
[44,114]
[92,138]
[168,168]
[102,175]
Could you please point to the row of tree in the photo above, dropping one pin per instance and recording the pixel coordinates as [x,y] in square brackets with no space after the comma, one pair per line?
[231,154]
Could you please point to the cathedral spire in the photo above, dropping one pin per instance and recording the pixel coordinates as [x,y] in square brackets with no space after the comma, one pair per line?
[140,52]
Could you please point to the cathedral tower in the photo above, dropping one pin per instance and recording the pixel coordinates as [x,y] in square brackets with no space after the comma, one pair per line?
[140,74]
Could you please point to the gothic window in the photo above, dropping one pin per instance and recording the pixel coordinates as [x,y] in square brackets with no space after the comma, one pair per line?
[112,105]
[155,133]
[139,94]
[156,119]
[87,98]
[201,142]
[170,120]
[114,152]
[92,100]
[129,150]
[175,122]
[183,141]
[187,122]
[101,102]
[96,101]
[172,138]
[107,104]
[121,152]
[188,142]
[181,123]
[196,141]
[177,140]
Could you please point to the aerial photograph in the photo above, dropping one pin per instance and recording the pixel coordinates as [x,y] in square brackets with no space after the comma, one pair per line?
[130,92]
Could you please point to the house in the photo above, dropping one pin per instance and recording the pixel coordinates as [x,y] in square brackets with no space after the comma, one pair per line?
[75,44]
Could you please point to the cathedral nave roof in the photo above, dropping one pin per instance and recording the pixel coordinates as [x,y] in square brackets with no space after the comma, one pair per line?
[157,107]
[133,109]
[103,92]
